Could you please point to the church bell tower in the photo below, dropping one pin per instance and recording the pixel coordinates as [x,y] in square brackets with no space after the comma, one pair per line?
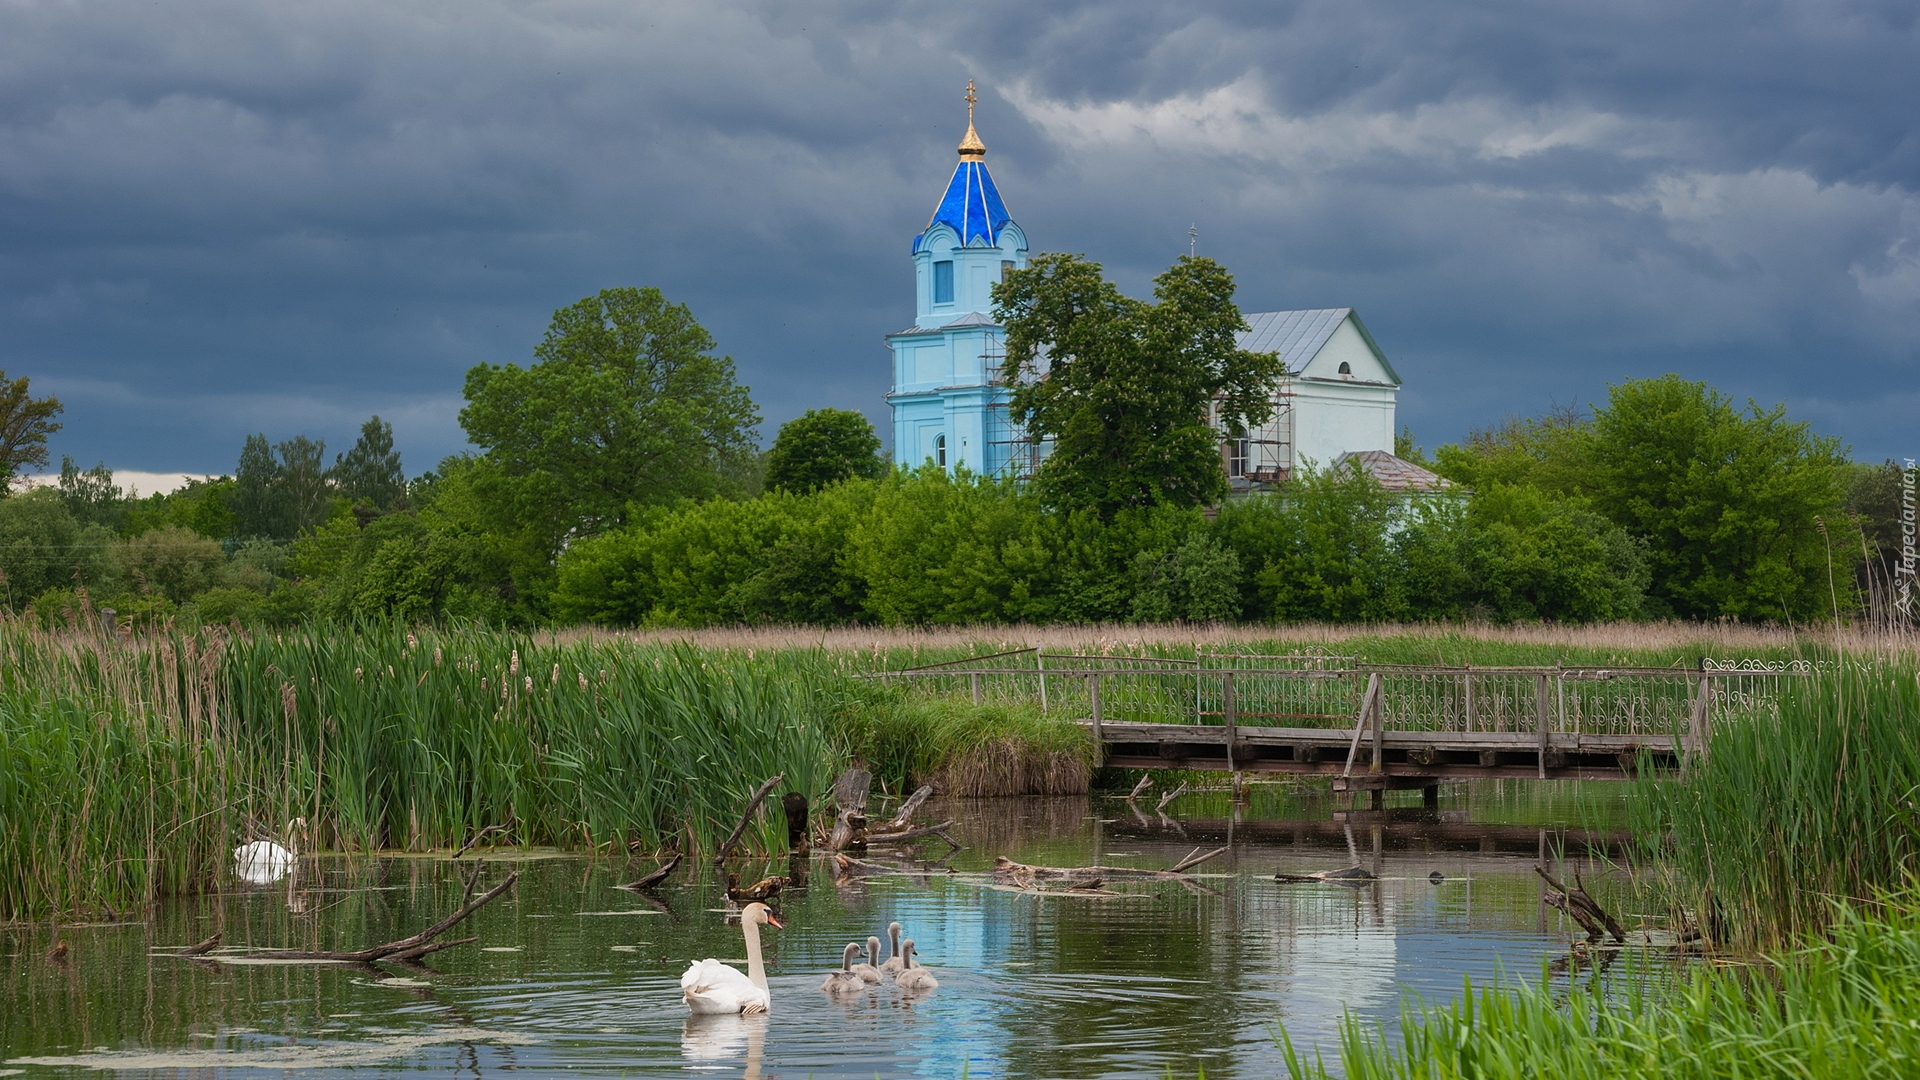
[945,365]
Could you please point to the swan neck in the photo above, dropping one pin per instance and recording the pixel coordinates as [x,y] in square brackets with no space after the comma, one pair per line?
[756,968]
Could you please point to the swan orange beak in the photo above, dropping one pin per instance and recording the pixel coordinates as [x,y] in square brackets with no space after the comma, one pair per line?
[774,921]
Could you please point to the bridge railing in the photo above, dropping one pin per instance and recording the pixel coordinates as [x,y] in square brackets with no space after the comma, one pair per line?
[1315,691]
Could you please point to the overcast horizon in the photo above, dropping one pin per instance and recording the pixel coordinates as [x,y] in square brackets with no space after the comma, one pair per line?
[223,218]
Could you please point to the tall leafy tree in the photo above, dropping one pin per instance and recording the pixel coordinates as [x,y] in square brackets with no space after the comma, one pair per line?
[303,479]
[1731,503]
[371,470]
[1129,391]
[625,405]
[823,447]
[91,496]
[259,503]
[25,423]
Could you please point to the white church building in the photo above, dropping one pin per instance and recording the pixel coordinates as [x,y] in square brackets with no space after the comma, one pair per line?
[1335,400]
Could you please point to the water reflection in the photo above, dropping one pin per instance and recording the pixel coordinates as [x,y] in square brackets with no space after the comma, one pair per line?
[1156,978]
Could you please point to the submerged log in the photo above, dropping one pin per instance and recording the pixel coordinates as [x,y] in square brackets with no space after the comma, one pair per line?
[905,835]
[201,949]
[765,889]
[1351,875]
[1581,907]
[1169,797]
[905,815]
[746,819]
[850,810]
[1007,868]
[659,875]
[1145,783]
[407,948]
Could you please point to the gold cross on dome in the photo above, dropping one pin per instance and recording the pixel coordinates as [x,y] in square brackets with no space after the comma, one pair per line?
[970,100]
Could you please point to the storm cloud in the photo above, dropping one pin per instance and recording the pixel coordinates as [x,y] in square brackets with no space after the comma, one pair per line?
[221,218]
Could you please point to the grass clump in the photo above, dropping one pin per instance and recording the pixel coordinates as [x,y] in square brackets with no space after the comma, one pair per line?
[1796,806]
[992,749]
[1841,1006]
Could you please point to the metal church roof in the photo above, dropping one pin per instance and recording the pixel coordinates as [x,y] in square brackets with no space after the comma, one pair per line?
[971,207]
[1298,336]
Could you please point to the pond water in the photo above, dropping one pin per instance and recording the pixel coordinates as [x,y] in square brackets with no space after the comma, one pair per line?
[571,974]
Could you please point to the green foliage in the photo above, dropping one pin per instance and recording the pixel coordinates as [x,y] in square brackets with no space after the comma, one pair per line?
[25,423]
[42,547]
[625,407]
[1729,503]
[823,447]
[260,507]
[176,563]
[1131,390]
[1525,554]
[1798,804]
[91,496]
[908,740]
[1836,1008]
[1199,581]
[205,505]
[1322,550]
[371,470]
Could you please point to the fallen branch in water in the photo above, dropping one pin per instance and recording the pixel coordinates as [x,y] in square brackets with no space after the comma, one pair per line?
[746,819]
[1169,797]
[648,881]
[407,948]
[1145,783]
[1583,908]
[1018,872]
[477,837]
[905,815]
[905,835]
[201,949]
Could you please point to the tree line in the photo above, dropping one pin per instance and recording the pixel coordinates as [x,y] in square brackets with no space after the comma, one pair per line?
[616,479]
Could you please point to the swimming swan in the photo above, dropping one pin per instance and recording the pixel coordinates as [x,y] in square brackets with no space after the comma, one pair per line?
[710,987]
[869,972]
[263,862]
[914,977]
[894,965]
[845,981]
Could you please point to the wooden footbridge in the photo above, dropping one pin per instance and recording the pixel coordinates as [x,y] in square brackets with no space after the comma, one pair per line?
[1372,727]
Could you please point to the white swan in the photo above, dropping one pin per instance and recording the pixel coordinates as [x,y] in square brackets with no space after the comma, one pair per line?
[710,987]
[914,977]
[263,862]
[895,964]
[869,972]
[845,981]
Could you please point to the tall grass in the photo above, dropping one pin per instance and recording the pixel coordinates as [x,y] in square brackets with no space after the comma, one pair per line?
[1797,805]
[1840,1008]
[130,768]
[964,749]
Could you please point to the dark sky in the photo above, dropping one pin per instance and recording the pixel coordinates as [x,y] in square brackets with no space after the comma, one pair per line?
[221,218]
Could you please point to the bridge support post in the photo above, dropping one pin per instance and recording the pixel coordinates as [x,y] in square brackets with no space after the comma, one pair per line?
[1099,734]
[975,679]
[1430,796]
[1540,720]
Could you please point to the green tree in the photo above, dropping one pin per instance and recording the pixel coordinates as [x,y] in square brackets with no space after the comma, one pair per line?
[203,504]
[371,470]
[823,447]
[171,561]
[1321,549]
[25,423]
[1729,502]
[306,490]
[42,548]
[625,406]
[260,505]
[91,496]
[1129,392]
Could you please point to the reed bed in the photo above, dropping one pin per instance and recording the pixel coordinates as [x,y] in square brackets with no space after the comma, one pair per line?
[987,750]
[1797,807]
[1841,1006]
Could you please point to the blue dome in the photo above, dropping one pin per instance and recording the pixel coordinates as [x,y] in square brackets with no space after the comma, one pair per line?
[971,207]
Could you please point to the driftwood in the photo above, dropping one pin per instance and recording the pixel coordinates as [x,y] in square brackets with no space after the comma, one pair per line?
[1169,797]
[1582,908]
[1350,876]
[850,810]
[407,948]
[1007,868]
[905,835]
[201,949]
[794,805]
[648,881]
[1145,783]
[477,837]
[746,819]
[905,815]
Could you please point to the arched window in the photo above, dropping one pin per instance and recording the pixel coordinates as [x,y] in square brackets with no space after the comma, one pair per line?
[1346,368]
[943,283]
[940,450]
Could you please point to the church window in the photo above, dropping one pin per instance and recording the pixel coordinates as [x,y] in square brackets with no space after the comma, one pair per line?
[943,283]
[1237,457]
[1346,368]
[1006,267]
[940,441]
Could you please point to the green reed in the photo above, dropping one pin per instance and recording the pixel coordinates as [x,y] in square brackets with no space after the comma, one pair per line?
[1799,803]
[1841,1006]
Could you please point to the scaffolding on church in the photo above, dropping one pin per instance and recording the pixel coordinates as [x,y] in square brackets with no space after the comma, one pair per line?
[1012,454]
[1260,458]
